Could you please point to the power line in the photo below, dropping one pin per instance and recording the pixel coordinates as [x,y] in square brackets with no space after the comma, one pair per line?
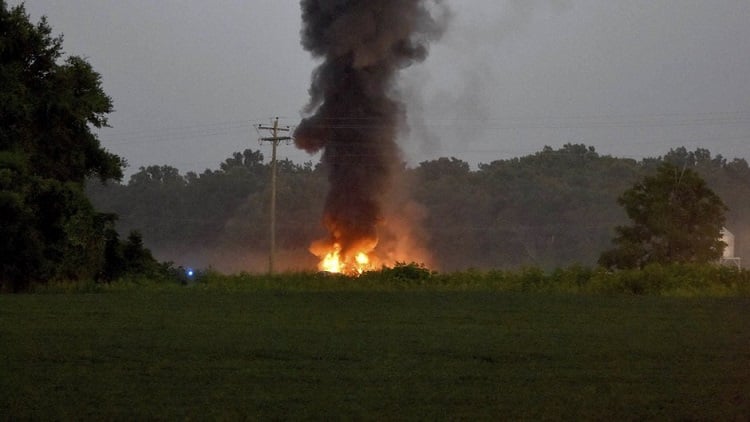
[594,121]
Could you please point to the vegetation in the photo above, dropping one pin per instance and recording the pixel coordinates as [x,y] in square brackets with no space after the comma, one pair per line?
[48,107]
[269,354]
[402,343]
[676,218]
[674,280]
[550,209]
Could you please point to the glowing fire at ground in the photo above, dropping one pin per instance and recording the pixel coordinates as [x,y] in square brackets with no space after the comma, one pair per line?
[352,263]
[355,84]
[332,261]
[398,245]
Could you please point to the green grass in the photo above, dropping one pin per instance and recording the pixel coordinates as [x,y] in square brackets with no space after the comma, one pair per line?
[197,353]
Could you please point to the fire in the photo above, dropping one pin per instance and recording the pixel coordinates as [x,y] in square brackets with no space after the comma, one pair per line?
[340,254]
[362,260]
[332,261]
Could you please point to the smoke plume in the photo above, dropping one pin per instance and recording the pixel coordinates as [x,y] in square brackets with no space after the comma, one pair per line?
[354,113]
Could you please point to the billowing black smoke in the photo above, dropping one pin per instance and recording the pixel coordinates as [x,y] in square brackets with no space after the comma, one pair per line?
[354,111]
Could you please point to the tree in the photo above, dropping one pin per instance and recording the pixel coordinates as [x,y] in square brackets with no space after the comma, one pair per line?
[676,218]
[551,208]
[48,106]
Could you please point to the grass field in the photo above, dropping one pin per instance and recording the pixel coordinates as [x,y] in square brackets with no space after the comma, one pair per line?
[213,354]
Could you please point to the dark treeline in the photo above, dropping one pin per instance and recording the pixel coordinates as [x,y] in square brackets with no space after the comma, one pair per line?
[550,209]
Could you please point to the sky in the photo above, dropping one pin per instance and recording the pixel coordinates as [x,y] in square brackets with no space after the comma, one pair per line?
[632,78]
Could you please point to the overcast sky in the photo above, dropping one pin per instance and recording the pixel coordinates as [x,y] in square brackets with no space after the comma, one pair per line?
[632,78]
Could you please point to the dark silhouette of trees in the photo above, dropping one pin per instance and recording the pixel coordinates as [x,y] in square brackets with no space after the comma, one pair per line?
[221,214]
[553,208]
[676,218]
[48,105]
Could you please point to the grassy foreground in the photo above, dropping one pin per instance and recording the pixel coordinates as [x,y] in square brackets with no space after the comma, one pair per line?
[203,353]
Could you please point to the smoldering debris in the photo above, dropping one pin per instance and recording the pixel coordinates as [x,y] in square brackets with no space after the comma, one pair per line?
[354,112]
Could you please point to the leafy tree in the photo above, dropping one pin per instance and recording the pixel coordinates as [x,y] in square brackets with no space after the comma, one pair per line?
[221,214]
[48,106]
[554,207]
[137,258]
[548,209]
[676,218]
[458,218]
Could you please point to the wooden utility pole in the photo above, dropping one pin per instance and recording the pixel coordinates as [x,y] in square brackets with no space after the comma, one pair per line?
[274,139]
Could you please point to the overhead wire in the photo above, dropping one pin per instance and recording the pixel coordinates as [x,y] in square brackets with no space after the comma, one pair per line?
[487,123]
[510,227]
[175,134]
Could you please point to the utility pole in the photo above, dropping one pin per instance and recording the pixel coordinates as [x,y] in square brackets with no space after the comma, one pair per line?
[274,139]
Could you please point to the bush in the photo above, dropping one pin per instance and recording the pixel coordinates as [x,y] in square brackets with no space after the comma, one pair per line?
[683,280]
[411,273]
[674,280]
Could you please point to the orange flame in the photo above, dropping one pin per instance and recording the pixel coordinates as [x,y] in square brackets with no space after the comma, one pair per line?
[332,261]
[398,243]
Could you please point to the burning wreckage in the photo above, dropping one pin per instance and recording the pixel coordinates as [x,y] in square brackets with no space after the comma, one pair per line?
[354,114]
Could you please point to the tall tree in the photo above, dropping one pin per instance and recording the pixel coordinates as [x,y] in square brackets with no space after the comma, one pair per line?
[676,218]
[48,107]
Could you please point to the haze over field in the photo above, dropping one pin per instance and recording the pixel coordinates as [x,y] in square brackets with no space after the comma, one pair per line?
[488,273]
[633,79]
